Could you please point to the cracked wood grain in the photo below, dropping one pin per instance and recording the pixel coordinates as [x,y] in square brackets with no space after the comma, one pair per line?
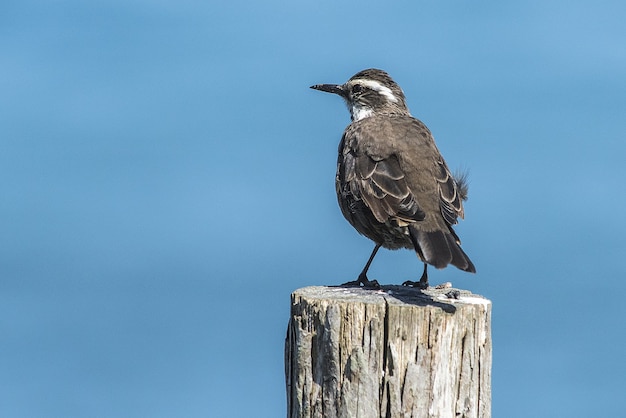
[398,352]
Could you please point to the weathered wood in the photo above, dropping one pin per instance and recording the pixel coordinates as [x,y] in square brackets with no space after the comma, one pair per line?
[397,352]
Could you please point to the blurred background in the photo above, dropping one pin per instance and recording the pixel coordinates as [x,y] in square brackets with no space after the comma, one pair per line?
[167,180]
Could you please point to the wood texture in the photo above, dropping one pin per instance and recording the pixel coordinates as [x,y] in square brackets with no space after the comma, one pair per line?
[397,352]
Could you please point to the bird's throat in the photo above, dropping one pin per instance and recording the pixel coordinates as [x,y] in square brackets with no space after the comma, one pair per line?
[358,111]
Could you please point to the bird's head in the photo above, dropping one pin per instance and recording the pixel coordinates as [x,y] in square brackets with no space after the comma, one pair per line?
[369,92]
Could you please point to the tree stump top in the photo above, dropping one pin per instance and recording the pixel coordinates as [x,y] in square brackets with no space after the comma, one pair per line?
[444,298]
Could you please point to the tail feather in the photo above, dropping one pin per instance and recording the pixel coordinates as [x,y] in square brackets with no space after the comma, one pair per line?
[439,249]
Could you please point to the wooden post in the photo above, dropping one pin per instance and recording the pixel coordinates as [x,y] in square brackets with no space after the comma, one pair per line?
[397,352]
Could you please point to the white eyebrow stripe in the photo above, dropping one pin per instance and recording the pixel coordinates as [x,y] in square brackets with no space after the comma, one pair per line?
[375,85]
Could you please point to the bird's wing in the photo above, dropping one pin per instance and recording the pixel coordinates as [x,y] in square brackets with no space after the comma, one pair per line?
[424,161]
[385,190]
[452,192]
[378,180]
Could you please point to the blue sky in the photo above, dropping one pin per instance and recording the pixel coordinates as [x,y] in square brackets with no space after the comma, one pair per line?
[167,180]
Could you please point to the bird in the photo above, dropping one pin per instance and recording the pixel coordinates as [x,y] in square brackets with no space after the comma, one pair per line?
[393,186]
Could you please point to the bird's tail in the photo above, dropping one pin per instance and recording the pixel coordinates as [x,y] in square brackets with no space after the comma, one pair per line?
[440,248]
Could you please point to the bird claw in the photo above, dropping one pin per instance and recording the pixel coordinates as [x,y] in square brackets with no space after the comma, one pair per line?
[363,282]
[422,284]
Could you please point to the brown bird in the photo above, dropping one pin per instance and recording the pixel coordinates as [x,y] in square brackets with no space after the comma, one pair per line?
[392,183]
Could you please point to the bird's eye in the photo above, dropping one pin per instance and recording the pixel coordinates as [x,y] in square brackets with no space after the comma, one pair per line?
[357,88]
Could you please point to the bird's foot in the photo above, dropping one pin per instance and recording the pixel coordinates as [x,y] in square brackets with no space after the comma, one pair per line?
[363,282]
[422,284]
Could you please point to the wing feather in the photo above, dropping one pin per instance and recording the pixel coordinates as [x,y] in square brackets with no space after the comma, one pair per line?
[452,192]
[385,191]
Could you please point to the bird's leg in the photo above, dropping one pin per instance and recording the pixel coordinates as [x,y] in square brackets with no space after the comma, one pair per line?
[363,280]
[423,283]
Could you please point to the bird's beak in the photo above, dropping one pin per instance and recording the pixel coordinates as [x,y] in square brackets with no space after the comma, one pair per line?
[331,88]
